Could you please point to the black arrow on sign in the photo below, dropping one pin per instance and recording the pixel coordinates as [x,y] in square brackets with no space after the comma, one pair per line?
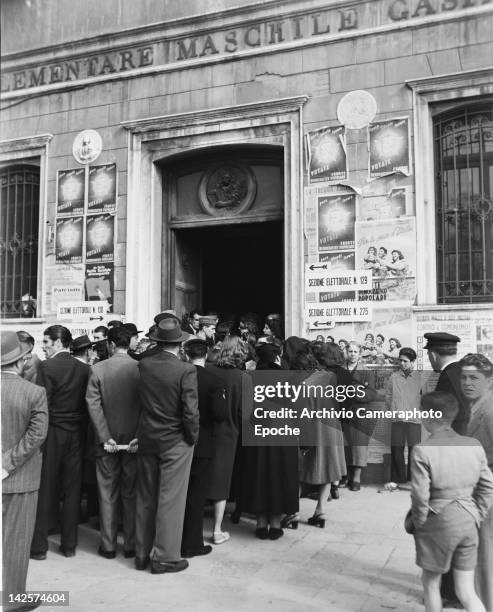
[316,323]
[95,318]
[324,267]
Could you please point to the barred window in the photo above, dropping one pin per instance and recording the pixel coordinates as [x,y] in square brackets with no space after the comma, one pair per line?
[19,206]
[464,208]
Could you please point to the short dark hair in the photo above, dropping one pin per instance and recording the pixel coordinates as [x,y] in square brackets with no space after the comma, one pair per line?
[196,350]
[59,332]
[439,401]
[23,336]
[408,352]
[120,336]
[101,328]
[444,351]
[396,341]
[114,323]
[476,360]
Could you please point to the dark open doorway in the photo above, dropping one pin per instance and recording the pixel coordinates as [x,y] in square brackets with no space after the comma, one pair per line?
[241,266]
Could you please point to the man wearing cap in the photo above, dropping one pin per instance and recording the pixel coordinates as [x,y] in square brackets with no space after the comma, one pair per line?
[113,405]
[24,428]
[65,380]
[442,353]
[213,409]
[168,429]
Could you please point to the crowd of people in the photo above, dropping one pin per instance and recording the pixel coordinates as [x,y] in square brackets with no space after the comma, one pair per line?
[150,428]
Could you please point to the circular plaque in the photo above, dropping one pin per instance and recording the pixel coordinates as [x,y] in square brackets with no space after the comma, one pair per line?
[87,146]
[227,188]
[357,109]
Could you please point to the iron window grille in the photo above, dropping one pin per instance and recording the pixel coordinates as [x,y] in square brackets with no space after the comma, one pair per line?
[19,207]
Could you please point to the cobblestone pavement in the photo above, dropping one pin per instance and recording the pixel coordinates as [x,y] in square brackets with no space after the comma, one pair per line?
[362,560]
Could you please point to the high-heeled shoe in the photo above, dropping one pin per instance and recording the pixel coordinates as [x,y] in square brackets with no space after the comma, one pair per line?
[334,491]
[317,521]
[290,521]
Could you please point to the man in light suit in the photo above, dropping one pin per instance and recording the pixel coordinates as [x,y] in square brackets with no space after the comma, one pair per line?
[24,428]
[113,405]
[168,429]
[65,380]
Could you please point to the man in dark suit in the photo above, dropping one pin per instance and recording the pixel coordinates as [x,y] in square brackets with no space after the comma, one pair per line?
[65,380]
[442,353]
[24,428]
[213,409]
[113,405]
[168,429]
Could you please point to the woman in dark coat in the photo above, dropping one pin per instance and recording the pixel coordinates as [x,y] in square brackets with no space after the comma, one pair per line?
[228,366]
[269,473]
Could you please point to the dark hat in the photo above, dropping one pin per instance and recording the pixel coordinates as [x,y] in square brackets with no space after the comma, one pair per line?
[166,314]
[194,341]
[11,349]
[268,352]
[208,320]
[440,339]
[152,329]
[132,328]
[81,342]
[169,330]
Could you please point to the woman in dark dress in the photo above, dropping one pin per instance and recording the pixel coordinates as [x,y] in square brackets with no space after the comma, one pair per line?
[228,366]
[269,473]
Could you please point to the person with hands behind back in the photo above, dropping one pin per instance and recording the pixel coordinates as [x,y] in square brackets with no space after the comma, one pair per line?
[451,493]
[113,405]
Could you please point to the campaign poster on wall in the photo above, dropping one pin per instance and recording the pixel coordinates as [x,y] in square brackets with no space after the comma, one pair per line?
[388,249]
[102,189]
[386,206]
[100,231]
[327,154]
[99,282]
[389,147]
[343,260]
[70,192]
[69,235]
[336,220]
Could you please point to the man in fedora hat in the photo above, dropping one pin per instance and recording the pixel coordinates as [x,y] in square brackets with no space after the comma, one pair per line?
[65,380]
[168,429]
[24,428]
[113,405]
[134,334]
[80,348]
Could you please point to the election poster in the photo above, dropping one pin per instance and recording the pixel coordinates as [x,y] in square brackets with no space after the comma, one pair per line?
[327,154]
[102,189]
[386,206]
[69,236]
[99,282]
[100,231]
[70,192]
[343,260]
[388,249]
[389,147]
[336,222]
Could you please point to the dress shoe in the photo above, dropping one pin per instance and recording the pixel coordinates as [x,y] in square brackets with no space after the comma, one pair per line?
[334,491]
[141,563]
[39,556]
[354,486]
[129,554]
[165,567]
[317,520]
[107,554]
[199,552]
[67,552]
[262,533]
[343,482]
[275,533]
[290,521]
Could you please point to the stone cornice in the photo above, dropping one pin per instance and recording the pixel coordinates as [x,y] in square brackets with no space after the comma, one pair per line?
[443,82]
[213,115]
[22,144]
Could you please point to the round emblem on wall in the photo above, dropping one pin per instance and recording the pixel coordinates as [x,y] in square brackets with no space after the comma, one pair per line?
[357,109]
[87,146]
[226,189]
